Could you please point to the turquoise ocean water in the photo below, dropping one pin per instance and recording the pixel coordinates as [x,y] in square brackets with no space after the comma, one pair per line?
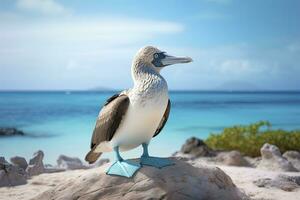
[62,122]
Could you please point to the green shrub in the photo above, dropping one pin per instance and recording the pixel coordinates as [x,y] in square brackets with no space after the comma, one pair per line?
[249,139]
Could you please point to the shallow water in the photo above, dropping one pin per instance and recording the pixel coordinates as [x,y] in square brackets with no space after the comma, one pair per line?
[62,122]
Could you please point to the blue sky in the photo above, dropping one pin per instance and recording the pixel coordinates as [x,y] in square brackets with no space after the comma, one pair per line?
[51,44]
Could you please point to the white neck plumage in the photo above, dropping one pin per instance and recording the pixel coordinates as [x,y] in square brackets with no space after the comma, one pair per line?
[147,79]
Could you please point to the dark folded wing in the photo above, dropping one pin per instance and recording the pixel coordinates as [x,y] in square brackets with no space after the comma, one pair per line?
[164,119]
[110,118]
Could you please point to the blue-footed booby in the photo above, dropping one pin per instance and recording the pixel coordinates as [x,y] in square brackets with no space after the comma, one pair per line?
[134,116]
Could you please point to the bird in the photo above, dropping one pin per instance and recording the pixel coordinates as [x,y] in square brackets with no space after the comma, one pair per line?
[134,116]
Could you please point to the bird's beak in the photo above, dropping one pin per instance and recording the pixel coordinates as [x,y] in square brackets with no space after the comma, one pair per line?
[171,60]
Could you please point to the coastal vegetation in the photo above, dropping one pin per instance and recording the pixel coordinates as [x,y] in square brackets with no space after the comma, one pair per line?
[248,139]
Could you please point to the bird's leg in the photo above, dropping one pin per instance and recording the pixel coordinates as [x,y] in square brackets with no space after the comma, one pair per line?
[153,161]
[118,156]
[123,167]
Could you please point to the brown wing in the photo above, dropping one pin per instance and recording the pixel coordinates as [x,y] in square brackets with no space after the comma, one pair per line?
[164,119]
[108,122]
[109,119]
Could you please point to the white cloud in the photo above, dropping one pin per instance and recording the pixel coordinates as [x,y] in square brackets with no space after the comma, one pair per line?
[76,52]
[106,31]
[42,6]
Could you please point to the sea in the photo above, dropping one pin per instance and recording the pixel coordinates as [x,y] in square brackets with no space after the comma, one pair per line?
[61,122]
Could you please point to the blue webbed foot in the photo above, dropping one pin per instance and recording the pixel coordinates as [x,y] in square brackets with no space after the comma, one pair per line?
[156,162]
[123,168]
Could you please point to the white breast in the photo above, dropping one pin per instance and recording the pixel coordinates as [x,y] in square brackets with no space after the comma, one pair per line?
[141,121]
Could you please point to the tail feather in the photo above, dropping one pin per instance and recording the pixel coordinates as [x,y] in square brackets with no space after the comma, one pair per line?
[92,156]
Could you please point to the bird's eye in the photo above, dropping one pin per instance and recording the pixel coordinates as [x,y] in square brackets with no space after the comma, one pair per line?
[156,55]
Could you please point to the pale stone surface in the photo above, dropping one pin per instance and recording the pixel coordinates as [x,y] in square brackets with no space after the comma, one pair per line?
[243,178]
[273,160]
[180,181]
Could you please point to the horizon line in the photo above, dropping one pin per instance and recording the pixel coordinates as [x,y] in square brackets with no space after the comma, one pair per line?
[171,90]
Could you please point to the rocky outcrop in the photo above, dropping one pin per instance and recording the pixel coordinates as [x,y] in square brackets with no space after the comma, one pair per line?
[10,132]
[11,175]
[294,158]
[233,158]
[196,148]
[273,160]
[69,163]
[283,182]
[36,165]
[19,161]
[180,181]
[16,172]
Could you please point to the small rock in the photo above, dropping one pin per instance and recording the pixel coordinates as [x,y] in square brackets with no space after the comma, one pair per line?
[10,132]
[69,163]
[283,182]
[197,148]
[233,158]
[36,165]
[19,161]
[11,175]
[293,157]
[273,160]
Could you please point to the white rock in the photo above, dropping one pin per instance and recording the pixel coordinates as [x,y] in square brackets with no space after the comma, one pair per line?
[180,181]
[273,160]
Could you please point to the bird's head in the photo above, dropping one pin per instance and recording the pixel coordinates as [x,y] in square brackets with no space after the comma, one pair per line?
[152,57]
